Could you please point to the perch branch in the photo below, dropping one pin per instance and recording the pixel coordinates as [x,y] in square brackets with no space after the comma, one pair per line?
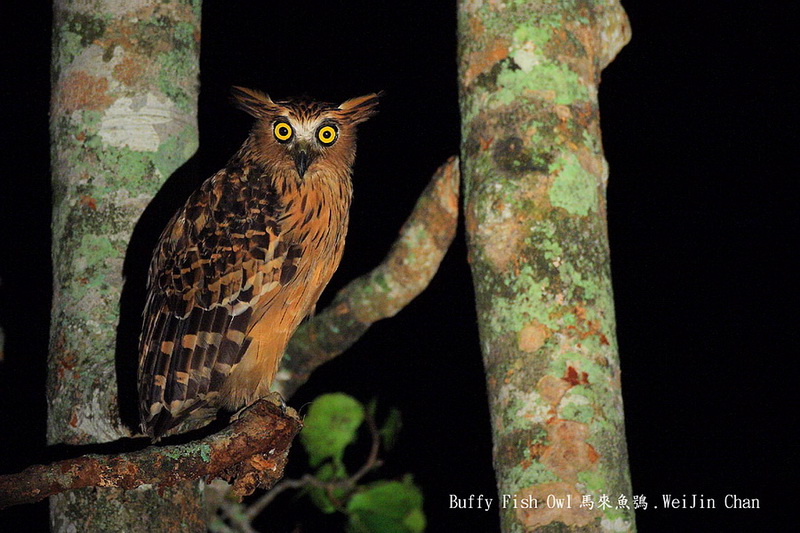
[406,271]
[250,452]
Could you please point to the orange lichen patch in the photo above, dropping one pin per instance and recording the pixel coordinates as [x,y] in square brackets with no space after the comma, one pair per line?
[501,251]
[484,59]
[569,513]
[532,336]
[80,90]
[68,361]
[574,378]
[476,26]
[587,36]
[574,46]
[567,451]
[73,419]
[536,450]
[583,328]
[129,70]
[584,114]
[590,161]
[501,237]
[89,202]
[548,95]
[446,189]
[552,389]
[485,142]
[562,112]
[129,34]
[118,33]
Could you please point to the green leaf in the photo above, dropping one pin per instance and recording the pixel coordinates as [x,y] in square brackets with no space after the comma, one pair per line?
[390,428]
[331,424]
[318,495]
[387,507]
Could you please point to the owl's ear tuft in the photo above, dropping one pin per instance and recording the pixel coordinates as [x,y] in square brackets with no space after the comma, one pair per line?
[359,109]
[252,102]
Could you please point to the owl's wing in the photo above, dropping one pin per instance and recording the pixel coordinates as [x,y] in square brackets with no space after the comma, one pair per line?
[214,270]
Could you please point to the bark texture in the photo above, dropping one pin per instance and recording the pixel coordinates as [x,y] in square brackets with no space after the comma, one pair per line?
[123,118]
[534,200]
[251,452]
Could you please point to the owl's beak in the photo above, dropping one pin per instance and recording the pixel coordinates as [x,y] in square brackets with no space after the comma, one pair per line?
[301,161]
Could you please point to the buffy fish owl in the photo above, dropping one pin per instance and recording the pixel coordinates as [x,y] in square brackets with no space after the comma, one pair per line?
[244,261]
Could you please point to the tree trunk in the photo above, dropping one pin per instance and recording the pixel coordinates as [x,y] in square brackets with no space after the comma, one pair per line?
[535,182]
[123,118]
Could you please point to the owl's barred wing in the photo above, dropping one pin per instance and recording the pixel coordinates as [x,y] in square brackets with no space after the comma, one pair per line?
[214,269]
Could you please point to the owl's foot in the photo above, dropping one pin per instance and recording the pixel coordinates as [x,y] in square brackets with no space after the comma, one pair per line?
[274,397]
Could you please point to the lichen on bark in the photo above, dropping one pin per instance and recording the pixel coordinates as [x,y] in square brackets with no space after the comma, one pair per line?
[122,120]
[534,201]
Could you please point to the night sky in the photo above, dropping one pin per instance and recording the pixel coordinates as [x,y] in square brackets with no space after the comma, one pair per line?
[701,214]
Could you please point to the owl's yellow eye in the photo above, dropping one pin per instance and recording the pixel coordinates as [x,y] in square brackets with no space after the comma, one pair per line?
[326,134]
[282,131]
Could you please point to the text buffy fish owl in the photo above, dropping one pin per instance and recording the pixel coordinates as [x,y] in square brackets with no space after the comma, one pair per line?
[244,261]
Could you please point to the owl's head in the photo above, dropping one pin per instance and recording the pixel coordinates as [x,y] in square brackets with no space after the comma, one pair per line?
[305,136]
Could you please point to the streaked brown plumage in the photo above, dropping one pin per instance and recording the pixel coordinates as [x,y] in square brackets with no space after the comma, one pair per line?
[246,259]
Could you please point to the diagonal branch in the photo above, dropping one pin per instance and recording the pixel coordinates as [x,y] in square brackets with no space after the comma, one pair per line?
[251,452]
[406,271]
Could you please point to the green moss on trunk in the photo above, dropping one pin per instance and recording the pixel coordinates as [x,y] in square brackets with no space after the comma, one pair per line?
[535,179]
[122,120]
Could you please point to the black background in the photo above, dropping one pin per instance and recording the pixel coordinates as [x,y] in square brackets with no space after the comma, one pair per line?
[695,113]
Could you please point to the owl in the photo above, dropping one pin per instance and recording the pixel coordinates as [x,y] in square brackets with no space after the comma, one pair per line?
[244,261]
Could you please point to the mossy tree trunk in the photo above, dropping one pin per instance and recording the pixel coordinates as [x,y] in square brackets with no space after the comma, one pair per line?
[123,118]
[535,182]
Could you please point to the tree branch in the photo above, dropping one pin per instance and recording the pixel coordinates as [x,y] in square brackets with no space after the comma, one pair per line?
[250,452]
[406,271]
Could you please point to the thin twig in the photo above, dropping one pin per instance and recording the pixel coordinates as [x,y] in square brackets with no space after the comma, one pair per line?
[256,508]
[372,461]
[237,516]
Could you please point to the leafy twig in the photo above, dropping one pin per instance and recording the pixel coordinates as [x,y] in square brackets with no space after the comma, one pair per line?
[372,462]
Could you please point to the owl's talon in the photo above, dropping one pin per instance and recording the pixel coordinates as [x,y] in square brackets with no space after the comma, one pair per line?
[235,416]
[276,398]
